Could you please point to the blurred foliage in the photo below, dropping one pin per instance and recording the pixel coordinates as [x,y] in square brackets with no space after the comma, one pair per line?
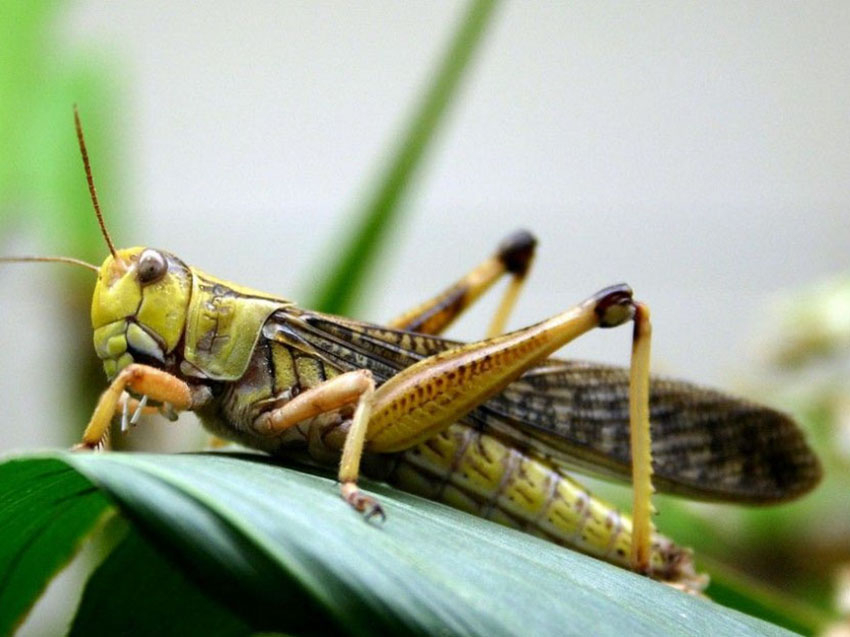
[163,601]
[807,361]
[813,326]
[42,184]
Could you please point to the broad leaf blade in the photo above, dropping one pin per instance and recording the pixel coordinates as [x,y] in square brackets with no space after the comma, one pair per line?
[137,592]
[171,508]
[427,570]
[46,510]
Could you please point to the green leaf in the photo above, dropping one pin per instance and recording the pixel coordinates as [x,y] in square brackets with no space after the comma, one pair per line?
[138,592]
[230,566]
[361,245]
[757,598]
[288,553]
[46,509]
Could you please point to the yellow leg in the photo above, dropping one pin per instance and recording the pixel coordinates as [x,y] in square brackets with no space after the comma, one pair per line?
[500,319]
[142,380]
[332,394]
[425,398]
[352,451]
[216,442]
[513,256]
[346,389]
[641,442]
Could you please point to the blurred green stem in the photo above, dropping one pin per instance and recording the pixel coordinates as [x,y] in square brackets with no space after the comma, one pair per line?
[42,184]
[359,251]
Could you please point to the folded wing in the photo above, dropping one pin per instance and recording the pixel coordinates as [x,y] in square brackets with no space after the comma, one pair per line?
[706,444]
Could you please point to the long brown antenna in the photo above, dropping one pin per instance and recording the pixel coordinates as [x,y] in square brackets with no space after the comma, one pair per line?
[92,190]
[70,260]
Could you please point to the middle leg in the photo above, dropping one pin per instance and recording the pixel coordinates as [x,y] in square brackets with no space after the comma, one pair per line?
[514,255]
[355,387]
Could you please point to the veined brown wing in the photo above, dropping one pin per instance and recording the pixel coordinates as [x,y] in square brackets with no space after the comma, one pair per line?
[705,444]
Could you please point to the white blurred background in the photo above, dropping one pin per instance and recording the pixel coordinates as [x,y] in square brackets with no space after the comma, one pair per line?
[700,152]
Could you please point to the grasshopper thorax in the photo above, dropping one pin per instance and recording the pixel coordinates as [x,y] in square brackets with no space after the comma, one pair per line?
[139,307]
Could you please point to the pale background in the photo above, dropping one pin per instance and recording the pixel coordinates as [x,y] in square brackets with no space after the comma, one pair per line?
[700,152]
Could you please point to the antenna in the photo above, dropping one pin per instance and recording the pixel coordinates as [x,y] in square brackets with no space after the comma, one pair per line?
[69,260]
[89,178]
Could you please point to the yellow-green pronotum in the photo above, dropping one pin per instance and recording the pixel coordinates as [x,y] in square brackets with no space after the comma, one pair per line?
[489,426]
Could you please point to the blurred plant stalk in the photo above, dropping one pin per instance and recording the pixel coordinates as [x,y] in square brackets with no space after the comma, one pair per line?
[360,247]
[42,185]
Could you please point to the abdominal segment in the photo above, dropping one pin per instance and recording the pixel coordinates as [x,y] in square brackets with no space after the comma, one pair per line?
[479,474]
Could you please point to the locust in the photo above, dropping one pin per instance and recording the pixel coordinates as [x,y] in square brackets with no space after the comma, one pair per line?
[493,427]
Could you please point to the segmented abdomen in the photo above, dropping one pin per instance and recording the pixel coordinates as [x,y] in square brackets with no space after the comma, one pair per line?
[479,474]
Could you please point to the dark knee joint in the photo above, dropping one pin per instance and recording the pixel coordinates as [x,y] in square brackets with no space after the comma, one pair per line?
[614,305]
[516,251]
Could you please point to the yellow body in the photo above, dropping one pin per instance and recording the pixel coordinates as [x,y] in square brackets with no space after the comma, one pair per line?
[224,324]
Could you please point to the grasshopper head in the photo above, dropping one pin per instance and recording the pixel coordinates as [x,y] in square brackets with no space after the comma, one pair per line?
[139,307]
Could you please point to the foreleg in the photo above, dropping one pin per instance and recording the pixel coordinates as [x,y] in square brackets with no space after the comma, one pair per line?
[141,380]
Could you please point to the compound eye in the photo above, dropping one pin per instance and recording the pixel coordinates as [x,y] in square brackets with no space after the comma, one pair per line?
[152,266]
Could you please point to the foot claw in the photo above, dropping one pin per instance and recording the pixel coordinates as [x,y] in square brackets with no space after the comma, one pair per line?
[363,503]
[125,420]
[375,510]
[140,407]
[82,446]
[101,445]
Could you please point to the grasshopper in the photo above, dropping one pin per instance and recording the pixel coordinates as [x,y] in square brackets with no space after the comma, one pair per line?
[490,426]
